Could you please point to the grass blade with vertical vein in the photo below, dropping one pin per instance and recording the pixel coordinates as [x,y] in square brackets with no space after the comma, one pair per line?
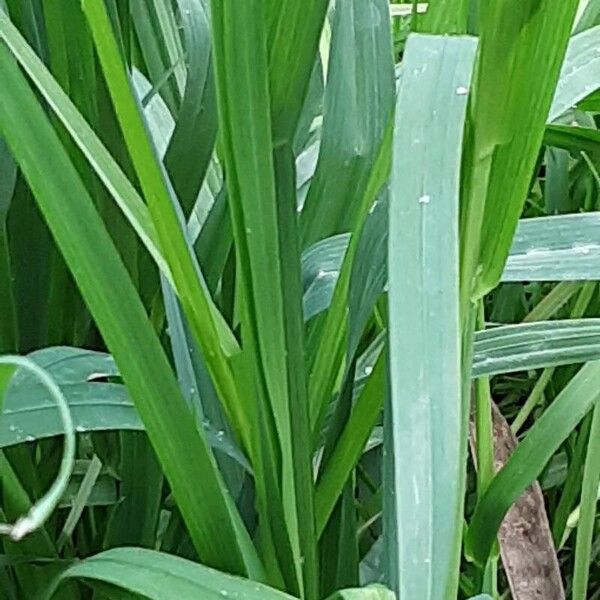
[258,175]
[429,420]
[350,444]
[579,76]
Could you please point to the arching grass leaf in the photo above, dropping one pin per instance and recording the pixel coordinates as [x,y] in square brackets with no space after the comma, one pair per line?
[159,576]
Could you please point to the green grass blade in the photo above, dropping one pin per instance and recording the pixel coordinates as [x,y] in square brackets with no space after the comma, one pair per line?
[444,17]
[196,123]
[209,328]
[372,592]
[511,100]
[8,178]
[100,159]
[95,405]
[589,15]
[589,499]
[294,29]
[572,138]
[367,281]
[530,457]
[72,62]
[553,301]
[261,185]
[328,358]
[168,32]
[28,16]
[16,501]
[357,107]
[158,576]
[533,345]
[30,248]
[43,508]
[556,191]
[320,271]
[509,349]
[8,324]
[571,492]
[558,248]
[29,415]
[350,445]
[69,365]
[121,317]
[80,500]
[427,410]
[135,518]
[155,53]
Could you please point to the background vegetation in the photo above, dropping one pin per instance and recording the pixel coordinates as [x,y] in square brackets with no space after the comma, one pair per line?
[280,264]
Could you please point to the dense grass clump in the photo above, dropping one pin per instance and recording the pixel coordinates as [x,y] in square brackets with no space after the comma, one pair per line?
[309,290]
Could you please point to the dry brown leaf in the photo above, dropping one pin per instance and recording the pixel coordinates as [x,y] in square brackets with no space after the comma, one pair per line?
[526,544]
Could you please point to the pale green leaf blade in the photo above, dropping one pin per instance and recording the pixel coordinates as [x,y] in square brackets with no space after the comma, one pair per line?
[294,31]
[554,248]
[95,405]
[320,271]
[367,280]
[196,123]
[155,53]
[350,444]
[210,329]
[260,177]
[69,365]
[427,410]
[560,248]
[579,76]
[588,15]
[535,345]
[29,414]
[573,138]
